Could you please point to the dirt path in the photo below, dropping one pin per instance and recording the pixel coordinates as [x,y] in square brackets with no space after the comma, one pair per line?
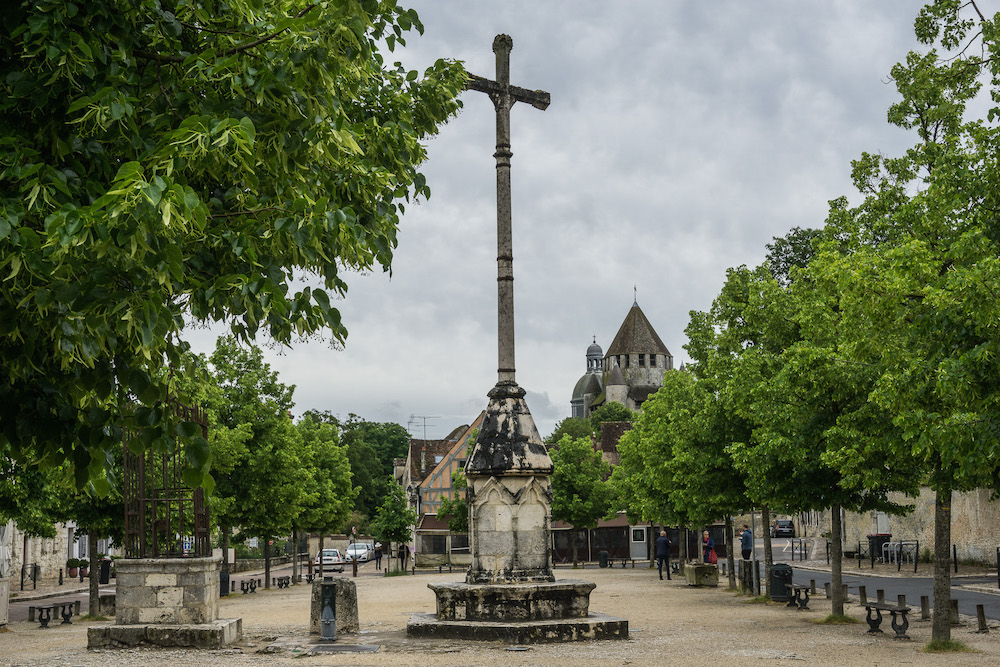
[670,623]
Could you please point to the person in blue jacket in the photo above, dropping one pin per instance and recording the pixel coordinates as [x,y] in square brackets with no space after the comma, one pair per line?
[746,542]
[663,553]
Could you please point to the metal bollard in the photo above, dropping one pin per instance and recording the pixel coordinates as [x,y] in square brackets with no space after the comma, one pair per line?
[925,608]
[880,595]
[863,594]
[981,617]
[328,620]
[955,620]
[61,572]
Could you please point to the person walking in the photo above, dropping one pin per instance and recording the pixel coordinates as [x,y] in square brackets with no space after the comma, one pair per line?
[707,545]
[663,553]
[746,542]
[378,555]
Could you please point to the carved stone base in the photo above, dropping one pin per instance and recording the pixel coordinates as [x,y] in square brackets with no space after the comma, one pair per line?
[565,598]
[523,613]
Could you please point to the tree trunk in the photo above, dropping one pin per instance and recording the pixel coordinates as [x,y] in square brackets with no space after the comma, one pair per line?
[95,574]
[941,620]
[765,520]
[267,563]
[575,534]
[730,556]
[224,543]
[295,554]
[319,572]
[836,563]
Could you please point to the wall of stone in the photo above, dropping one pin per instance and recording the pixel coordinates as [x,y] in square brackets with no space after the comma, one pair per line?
[509,527]
[167,591]
[975,524]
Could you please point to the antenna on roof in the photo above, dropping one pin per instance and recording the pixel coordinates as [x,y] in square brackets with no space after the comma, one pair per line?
[425,418]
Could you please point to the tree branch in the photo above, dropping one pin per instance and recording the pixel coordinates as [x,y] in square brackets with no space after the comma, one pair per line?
[168,58]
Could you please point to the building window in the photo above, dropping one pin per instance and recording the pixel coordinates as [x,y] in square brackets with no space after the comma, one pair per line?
[438,458]
[460,542]
[652,361]
[642,360]
[433,544]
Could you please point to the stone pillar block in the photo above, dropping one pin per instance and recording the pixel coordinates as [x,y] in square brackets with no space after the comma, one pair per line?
[347,606]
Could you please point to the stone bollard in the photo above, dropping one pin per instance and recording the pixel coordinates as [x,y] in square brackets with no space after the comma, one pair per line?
[925,608]
[863,594]
[981,617]
[901,600]
[346,606]
[812,587]
[846,596]
[955,620]
[826,587]
[880,595]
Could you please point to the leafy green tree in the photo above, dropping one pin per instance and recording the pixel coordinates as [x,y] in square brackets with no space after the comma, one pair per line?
[394,520]
[455,509]
[920,276]
[609,412]
[167,163]
[581,494]
[573,427]
[330,496]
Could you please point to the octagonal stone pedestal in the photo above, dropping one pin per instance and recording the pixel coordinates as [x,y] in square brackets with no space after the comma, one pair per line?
[522,613]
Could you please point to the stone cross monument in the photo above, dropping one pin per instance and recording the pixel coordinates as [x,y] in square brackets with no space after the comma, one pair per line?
[509,468]
[509,593]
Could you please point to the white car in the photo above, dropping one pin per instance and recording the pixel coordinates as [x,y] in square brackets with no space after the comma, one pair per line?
[359,551]
[332,560]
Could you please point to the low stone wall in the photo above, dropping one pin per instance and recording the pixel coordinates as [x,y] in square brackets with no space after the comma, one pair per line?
[437,560]
[167,590]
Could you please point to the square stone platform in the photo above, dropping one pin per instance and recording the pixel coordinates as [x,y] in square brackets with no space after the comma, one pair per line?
[214,635]
[594,626]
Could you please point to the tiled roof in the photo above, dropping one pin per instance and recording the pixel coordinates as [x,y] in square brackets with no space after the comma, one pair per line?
[636,336]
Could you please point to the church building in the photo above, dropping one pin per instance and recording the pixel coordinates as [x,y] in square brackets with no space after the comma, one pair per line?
[630,371]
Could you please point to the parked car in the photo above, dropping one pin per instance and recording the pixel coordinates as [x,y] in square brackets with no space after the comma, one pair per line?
[783,528]
[360,552]
[332,560]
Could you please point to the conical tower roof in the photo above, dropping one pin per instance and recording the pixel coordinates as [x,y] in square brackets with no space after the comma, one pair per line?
[636,336]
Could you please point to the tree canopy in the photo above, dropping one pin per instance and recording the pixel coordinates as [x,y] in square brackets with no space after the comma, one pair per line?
[168,162]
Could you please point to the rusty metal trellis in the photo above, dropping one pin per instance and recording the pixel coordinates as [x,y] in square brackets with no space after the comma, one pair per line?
[162,515]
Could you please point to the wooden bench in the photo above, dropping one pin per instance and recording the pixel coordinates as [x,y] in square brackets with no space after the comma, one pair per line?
[49,611]
[798,596]
[875,621]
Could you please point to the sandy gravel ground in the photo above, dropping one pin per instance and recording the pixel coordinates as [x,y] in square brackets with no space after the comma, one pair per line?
[670,624]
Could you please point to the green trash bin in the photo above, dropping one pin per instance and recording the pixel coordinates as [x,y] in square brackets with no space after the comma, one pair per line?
[781,579]
[602,558]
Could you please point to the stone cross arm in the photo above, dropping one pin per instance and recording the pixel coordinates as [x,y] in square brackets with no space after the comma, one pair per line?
[536,98]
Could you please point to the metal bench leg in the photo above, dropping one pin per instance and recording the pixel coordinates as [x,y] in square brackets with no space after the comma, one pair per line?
[44,616]
[874,622]
[804,601]
[901,627]
[66,611]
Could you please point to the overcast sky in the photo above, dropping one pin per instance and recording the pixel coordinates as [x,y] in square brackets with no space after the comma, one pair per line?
[681,138]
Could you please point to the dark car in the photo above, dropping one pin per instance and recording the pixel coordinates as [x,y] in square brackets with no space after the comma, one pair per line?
[783,528]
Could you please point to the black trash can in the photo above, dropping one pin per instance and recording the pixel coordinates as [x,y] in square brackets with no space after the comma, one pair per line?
[781,579]
[223,583]
[875,543]
[105,573]
[602,558]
